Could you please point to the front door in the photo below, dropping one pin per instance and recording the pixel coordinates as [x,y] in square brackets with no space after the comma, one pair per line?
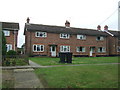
[92,51]
[53,51]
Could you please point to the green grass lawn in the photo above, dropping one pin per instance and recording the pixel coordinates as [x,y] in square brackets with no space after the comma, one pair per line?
[101,76]
[76,60]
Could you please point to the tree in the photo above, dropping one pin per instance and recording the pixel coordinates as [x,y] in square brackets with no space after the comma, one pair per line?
[4,49]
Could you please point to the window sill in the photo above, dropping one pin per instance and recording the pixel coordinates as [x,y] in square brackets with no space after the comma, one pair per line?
[65,38]
[82,39]
[7,36]
[101,52]
[80,52]
[40,37]
[99,40]
[38,51]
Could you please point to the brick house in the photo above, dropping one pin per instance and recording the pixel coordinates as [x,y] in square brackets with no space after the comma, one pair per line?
[114,43]
[46,40]
[10,30]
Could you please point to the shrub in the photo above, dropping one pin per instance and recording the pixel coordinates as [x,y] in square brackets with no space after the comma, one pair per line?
[4,49]
[11,52]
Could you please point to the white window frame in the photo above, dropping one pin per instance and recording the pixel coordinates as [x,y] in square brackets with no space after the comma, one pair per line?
[38,46]
[78,49]
[9,47]
[6,32]
[118,48]
[81,37]
[101,38]
[103,49]
[64,35]
[64,48]
[38,34]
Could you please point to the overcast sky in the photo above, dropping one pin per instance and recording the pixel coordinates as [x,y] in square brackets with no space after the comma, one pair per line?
[80,13]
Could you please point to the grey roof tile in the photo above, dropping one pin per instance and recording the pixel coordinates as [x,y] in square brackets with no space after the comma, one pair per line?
[10,25]
[60,29]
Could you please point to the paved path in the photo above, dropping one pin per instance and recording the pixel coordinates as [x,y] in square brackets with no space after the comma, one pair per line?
[35,65]
[26,78]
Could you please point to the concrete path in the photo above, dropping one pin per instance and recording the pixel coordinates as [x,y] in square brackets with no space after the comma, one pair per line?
[35,65]
[26,78]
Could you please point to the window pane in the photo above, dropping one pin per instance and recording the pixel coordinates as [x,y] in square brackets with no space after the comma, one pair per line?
[81,37]
[118,49]
[41,34]
[6,33]
[38,47]
[64,35]
[83,49]
[9,47]
[65,48]
[104,49]
[34,47]
[42,48]
[37,33]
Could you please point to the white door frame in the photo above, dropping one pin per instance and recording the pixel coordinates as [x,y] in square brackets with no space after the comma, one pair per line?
[53,50]
[92,50]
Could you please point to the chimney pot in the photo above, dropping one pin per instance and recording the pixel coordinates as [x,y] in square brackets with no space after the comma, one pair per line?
[67,23]
[28,20]
[98,27]
[105,27]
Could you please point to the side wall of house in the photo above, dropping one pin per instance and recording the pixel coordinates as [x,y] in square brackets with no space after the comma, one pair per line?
[113,44]
[12,39]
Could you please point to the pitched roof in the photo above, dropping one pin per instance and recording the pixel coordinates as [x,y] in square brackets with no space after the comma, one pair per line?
[60,29]
[10,25]
[115,33]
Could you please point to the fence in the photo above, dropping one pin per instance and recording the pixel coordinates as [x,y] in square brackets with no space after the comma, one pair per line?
[15,60]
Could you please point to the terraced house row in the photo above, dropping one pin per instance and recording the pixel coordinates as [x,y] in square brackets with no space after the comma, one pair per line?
[47,40]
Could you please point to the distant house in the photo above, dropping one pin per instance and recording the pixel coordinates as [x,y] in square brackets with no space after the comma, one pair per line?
[46,40]
[10,30]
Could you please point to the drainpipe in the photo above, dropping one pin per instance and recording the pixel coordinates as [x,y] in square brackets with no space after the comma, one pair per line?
[14,39]
[30,43]
[0,46]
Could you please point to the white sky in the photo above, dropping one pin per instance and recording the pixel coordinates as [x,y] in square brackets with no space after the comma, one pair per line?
[80,13]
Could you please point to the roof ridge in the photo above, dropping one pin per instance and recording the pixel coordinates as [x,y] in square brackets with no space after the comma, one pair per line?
[61,26]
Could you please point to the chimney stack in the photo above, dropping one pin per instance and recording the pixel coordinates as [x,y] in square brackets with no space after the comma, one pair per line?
[98,27]
[28,20]
[67,24]
[106,27]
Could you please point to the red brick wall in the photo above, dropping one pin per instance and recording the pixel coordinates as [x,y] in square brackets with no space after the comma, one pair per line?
[55,39]
[12,39]
[113,43]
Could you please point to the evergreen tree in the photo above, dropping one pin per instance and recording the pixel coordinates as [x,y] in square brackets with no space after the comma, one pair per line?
[4,49]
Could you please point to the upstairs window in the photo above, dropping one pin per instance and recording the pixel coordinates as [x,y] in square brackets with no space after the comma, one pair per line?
[101,49]
[65,48]
[38,48]
[9,47]
[62,35]
[82,37]
[6,33]
[41,34]
[100,38]
[80,49]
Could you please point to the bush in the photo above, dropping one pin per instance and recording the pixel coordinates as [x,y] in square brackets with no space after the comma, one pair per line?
[4,49]
[11,52]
